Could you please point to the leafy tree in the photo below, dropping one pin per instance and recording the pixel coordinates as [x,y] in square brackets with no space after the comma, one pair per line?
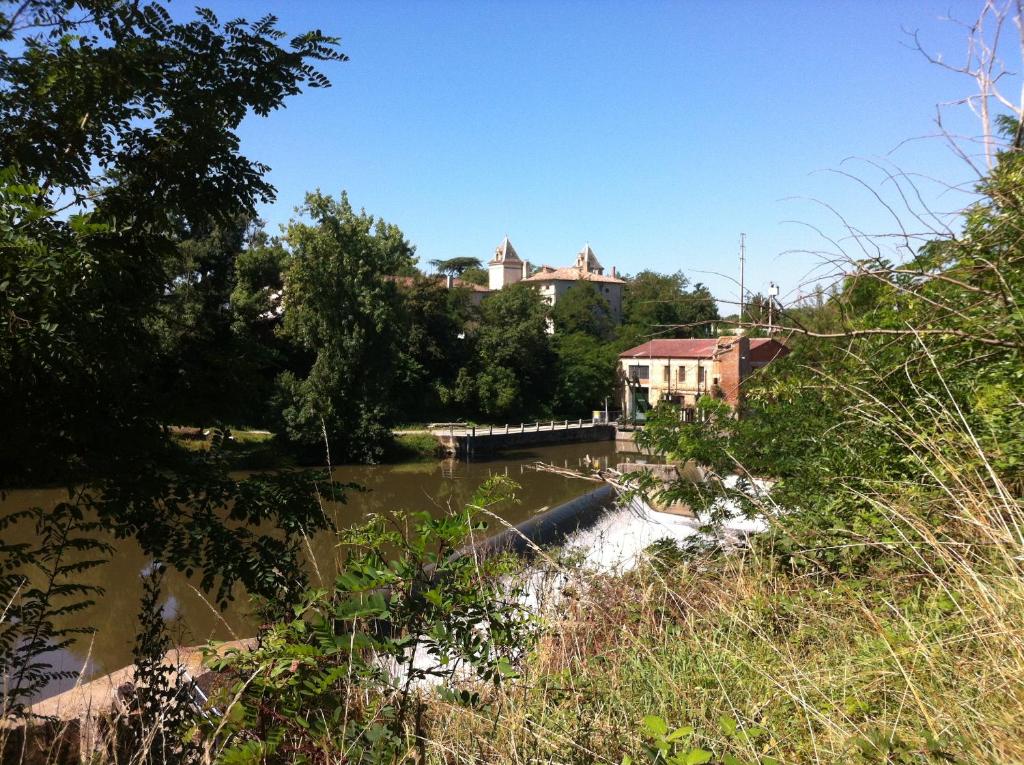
[257,311]
[343,312]
[586,374]
[474,275]
[207,376]
[118,130]
[433,345]
[582,309]
[118,108]
[651,302]
[513,371]
[456,266]
[118,104]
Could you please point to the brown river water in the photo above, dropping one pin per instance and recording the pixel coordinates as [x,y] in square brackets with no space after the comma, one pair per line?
[433,486]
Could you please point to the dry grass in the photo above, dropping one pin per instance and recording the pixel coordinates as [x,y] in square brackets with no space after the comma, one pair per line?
[919,660]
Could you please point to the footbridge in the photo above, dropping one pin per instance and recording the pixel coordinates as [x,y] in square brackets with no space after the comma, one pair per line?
[461,440]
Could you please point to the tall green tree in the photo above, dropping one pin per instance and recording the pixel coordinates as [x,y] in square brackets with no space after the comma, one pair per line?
[118,129]
[653,302]
[343,311]
[206,372]
[131,118]
[586,374]
[433,343]
[513,372]
[582,309]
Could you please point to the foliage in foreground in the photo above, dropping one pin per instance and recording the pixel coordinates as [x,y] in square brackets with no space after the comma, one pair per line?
[355,670]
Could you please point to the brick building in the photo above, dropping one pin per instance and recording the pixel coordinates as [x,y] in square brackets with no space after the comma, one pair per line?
[681,371]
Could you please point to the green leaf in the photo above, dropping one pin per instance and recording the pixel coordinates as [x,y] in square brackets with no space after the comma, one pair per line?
[655,726]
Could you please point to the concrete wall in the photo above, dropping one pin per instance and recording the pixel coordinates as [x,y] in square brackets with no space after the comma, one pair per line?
[548,528]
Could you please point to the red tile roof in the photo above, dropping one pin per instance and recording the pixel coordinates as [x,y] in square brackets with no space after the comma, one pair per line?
[761,348]
[408,281]
[570,274]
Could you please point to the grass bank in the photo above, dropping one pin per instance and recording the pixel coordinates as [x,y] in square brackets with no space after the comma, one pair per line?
[261,450]
[919,660]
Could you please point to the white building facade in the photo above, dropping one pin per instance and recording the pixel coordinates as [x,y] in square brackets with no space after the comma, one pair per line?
[552,283]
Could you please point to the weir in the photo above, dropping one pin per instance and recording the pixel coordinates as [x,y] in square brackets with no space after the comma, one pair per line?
[85,704]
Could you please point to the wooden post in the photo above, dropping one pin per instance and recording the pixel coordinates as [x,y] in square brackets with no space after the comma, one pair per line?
[491,431]
[522,427]
[506,428]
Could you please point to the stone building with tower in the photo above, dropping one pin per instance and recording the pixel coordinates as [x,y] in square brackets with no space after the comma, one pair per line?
[506,267]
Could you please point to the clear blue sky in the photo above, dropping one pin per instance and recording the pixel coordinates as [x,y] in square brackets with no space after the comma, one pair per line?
[655,131]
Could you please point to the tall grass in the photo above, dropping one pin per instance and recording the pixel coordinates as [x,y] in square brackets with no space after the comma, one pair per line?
[919,659]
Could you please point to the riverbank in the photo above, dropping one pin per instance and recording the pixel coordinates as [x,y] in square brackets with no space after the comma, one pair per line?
[601,534]
[430,485]
[262,450]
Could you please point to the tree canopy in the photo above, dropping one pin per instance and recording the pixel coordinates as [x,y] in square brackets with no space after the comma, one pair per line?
[456,266]
[512,371]
[122,188]
[583,309]
[665,305]
[342,310]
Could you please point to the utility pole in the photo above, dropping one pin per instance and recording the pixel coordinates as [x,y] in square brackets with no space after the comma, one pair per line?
[743,254]
[773,290]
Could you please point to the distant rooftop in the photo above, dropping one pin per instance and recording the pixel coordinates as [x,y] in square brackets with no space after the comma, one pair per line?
[700,348]
[587,260]
[572,273]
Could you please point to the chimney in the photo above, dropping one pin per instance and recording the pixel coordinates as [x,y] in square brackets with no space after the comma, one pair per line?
[450,281]
[615,274]
[526,269]
[733,367]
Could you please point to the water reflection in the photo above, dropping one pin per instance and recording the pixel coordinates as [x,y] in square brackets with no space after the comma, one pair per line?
[433,486]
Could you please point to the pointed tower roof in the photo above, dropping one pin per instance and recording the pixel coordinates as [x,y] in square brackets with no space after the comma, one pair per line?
[587,261]
[505,253]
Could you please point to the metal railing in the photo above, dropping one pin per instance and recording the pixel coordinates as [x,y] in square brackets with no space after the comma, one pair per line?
[458,429]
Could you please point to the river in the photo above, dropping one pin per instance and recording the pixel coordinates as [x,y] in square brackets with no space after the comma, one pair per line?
[433,486]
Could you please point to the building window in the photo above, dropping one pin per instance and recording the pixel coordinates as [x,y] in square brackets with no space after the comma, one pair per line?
[714,381]
[681,374]
[638,372]
[701,375]
[666,374]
